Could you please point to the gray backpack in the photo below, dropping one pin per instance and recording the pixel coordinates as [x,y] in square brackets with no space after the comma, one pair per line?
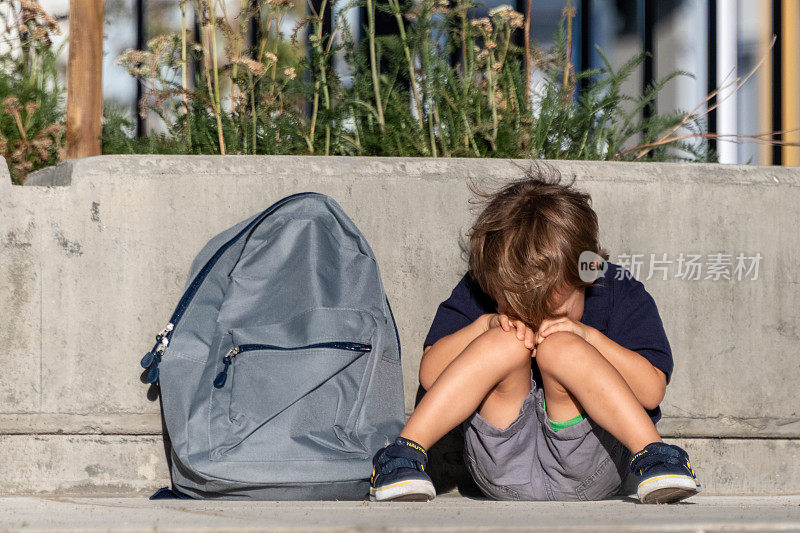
[279,370]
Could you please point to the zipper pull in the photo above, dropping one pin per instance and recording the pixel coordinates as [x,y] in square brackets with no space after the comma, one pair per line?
[152,358]
[219,381]
[147,360]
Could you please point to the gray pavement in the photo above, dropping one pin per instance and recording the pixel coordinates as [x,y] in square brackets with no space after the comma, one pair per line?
[447,513]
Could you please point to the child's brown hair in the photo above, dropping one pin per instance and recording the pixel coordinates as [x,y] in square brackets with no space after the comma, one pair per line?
[524,246]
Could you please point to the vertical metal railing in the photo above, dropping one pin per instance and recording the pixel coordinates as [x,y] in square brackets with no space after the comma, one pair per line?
[647,23]
[140,44]
[711,62]
[777,93]
[586,42]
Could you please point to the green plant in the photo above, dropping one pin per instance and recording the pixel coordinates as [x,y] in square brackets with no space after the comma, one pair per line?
[402,95]
[31,96]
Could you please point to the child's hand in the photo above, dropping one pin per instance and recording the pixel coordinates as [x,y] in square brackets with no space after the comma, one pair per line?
[524,333]
[551,325]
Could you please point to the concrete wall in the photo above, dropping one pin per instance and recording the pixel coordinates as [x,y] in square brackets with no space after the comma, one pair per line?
[94,254]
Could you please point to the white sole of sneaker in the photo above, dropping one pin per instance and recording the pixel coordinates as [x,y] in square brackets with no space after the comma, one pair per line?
[413,490]
[667,489]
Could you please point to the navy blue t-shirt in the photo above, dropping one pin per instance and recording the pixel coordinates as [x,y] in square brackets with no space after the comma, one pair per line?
[616,304]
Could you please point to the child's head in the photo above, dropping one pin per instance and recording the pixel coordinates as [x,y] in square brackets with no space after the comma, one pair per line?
[524,246]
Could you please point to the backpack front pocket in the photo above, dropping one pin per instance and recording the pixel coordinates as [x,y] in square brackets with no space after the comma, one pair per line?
[300,393]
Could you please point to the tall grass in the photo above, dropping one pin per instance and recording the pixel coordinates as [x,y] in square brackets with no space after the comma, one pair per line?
[445,85]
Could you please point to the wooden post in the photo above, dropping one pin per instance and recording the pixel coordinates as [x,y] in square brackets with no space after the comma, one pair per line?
[790,82]
[85,78]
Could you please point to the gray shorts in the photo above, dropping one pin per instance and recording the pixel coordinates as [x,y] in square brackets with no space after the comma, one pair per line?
[530,461]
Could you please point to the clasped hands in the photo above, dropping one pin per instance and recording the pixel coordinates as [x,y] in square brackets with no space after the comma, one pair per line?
[548,326]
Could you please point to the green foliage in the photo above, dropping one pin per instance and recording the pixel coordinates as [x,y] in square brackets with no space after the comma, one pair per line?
[119,137]
[401,96]
[31,97]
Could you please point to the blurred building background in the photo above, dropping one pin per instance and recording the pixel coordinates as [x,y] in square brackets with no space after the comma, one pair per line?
[714,40]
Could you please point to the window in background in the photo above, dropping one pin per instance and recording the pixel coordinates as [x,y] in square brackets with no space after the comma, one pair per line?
[616,27]
[680,38]
[753,94]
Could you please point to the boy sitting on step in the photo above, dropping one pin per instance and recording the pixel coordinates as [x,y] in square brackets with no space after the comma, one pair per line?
[556,377]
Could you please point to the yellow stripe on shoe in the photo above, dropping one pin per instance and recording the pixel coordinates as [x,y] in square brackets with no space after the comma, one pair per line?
[394,485]
[666,476]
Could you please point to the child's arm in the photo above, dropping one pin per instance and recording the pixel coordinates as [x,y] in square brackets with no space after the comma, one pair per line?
[436,357]
[646,381]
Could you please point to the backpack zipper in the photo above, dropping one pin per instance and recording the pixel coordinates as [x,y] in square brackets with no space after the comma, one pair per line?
[227,360]
[151,359]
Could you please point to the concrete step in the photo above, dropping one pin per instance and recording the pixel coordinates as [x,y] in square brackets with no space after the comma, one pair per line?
[94,254]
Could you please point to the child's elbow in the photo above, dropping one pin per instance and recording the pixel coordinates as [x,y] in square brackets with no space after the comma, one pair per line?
[426,377]
[654,394]
[651,401]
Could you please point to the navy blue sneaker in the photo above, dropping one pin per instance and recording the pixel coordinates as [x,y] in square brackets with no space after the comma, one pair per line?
[664,474]
[399,473]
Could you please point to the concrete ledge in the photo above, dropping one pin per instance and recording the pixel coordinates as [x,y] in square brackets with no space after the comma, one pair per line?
[5,175]
[111,464]
[80,424]
[82,464]
[130,167]
[94,254]
[745,466]
[727,426]
[150,424]
[59,175]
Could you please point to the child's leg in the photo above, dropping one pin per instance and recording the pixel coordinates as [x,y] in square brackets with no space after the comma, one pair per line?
[576,377]
[492,375]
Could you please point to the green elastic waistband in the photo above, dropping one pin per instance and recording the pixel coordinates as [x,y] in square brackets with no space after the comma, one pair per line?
[561,425]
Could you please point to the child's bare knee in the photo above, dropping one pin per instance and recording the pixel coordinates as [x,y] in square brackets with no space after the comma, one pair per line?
[506,347]
[558,348]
